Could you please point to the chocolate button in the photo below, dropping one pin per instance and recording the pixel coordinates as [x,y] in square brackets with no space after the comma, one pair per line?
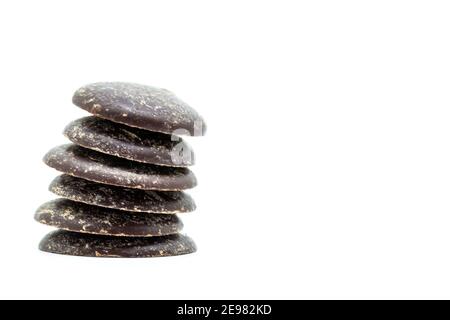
[140,106]
[79,217]
[130,143]
[103,168]
[88,245]
[135,200]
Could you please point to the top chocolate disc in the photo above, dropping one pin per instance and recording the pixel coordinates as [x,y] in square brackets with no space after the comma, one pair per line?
[140,106]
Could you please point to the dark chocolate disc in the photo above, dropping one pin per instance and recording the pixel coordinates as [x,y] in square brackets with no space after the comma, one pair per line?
[90,245]
[99,167]
[140,106]
[79,217]
[135,200]
[130,143]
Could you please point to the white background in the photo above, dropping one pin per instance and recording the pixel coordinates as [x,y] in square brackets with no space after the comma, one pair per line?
[325,172]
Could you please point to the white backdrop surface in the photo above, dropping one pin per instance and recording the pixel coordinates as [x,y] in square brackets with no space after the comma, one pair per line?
[325,170]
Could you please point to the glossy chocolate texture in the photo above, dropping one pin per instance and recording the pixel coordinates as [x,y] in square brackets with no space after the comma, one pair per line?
[140,106]
[135,200]
[79,217]
[102,168]
[88,245]
[130,143]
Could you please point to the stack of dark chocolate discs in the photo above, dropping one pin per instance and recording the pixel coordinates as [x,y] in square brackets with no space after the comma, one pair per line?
[123,175]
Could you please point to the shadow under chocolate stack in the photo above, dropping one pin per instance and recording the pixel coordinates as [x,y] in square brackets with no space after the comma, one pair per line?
[123,175]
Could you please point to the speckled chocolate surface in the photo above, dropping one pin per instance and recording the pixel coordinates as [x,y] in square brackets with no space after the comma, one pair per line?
[123,175]
[135,200]
[79,217]
[99,167]
[130,143]
[140,106]
[76,244]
